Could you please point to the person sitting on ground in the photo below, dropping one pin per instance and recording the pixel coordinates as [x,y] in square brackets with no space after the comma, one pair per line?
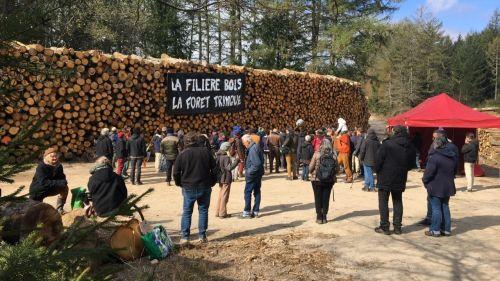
[306,154]
[50,180]
[470,150]
[194,172]
[254,170]
[323,170]
[103,145]
[225,178]
[106,188]
[439,180]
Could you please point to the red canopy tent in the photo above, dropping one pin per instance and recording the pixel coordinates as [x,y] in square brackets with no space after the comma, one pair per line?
[443,111]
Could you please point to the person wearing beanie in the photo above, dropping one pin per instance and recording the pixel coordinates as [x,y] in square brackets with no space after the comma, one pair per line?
[103,145]
[343,145]
[169,149]
[50,180]
[224,167]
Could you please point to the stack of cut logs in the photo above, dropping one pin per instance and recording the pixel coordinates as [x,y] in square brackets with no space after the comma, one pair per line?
[117,90]
[489,146]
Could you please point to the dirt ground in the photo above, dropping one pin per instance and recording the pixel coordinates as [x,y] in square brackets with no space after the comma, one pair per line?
[285,243]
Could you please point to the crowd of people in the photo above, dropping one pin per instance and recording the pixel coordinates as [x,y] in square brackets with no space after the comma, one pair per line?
[198,161]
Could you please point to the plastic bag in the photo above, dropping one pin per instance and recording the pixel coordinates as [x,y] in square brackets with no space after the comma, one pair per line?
[78,197]
[157,243]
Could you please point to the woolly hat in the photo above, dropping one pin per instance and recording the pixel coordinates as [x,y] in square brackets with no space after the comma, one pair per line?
[225,146]
[50,150]
[308,138]
[113,129]
[164,129]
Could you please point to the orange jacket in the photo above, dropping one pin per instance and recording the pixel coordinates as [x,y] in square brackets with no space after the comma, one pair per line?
[344,145]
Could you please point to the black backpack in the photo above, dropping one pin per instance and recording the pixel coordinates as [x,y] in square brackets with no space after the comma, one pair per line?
[217,170]
[327,168]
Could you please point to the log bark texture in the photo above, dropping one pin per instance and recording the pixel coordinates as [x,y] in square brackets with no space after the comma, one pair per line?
[105,90]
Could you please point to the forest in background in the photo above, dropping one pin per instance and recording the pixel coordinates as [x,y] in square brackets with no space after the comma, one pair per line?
[401,63]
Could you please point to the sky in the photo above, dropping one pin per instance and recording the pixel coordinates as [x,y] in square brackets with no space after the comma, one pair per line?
[457,16]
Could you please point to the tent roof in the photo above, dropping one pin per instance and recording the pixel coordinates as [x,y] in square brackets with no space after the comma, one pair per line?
[443,111]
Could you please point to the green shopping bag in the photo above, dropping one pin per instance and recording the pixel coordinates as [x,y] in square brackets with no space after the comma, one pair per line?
[157,243]
[78,196]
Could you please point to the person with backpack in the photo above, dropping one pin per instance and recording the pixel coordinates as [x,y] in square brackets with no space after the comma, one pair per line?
[323,170]
[223,170]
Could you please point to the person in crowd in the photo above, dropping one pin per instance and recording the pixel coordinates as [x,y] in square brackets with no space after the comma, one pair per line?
[323,170]
[306,154]
[113,136]
[136,147]
[121,153]
[354,139]
[254,170]
[289,149]
[439,180]
[282,140]
[344,147]
[180,136]
[436,134]
[342,126]
[103,145]
[126,136]
[240,152]
[367,156]
[106,189]
[395,157]
[254,134]
[225,166]
[214,139]
[417,143]
[169,149]
[357,149]
[470,151]
[318,138]
[50,180]
[156,140]
[274,144]
[194,172]
[300,135]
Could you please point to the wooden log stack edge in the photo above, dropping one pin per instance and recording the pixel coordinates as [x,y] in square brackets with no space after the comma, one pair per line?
[105,90]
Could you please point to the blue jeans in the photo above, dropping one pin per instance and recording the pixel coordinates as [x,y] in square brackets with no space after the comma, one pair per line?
[369,180]
[305,171]
[441,217]
[255,187]
[201,195]
[428,217]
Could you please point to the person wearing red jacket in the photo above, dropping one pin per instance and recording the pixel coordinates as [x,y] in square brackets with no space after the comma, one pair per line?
[344,148]
[318,138]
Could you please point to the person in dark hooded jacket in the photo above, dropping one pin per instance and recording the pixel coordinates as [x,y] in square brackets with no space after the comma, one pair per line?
[439,180]
[367,155]
[289,148]
[103,145]
[470,150]
[305,156]
[121,153]
[395,157]
[136,147]
[106,188]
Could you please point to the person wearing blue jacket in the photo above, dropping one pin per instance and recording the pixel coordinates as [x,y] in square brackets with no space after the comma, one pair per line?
[254,170]
[439,180]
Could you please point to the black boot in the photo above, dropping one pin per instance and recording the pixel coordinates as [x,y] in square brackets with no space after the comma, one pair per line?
[324,219]
[319,219]
[382,230]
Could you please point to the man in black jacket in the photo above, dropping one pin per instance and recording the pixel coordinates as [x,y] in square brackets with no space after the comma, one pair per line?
[395,157]
[194,171]
[136,147]
[106,188]
[50,180]
[470,151]
[104,146]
